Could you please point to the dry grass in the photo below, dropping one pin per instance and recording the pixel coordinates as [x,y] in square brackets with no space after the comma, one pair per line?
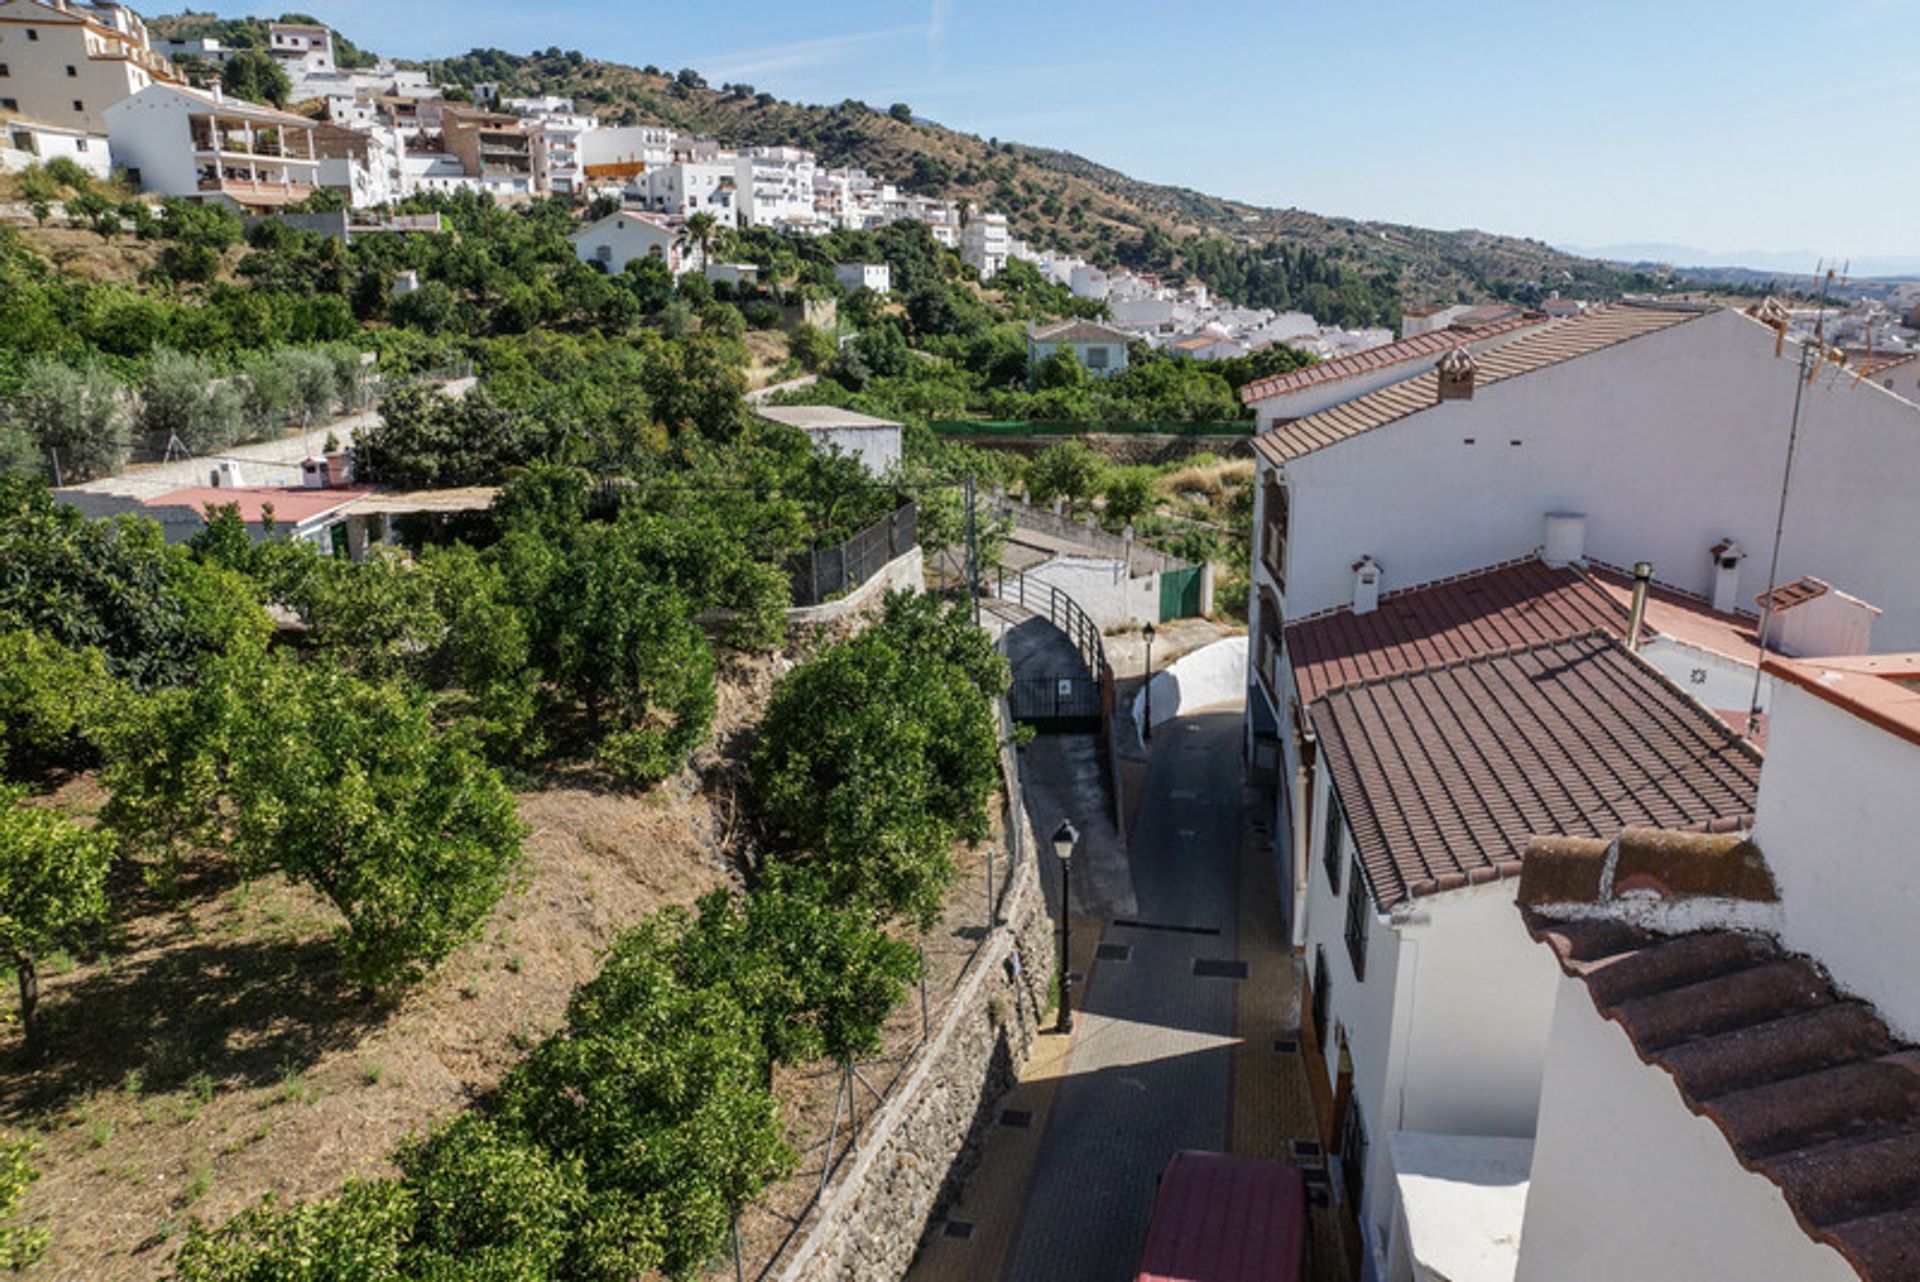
[88,255]
[1211,479]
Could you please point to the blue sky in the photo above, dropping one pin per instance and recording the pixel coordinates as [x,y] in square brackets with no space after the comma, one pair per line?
[1728,126]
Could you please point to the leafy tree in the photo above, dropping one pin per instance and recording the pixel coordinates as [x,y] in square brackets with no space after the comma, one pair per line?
[269,392]
[810,346]
[879,753]
[1069,470]
[53,889]
[184,398]
[256,77]
[19,1247]
[360,1236]
[1129,494]
[77,411]
[902,112]
[489,1203]
[53,702]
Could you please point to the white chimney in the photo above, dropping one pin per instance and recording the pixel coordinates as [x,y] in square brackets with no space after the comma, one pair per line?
[1726,555]
[1566,539]
[1366,586]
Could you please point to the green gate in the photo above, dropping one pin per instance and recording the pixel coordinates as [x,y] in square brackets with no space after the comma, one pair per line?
[1180,593]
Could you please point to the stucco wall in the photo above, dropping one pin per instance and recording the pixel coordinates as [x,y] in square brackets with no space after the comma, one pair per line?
[1101,587]
[1718,682]
[1629,1183]
[878,448]
[919,1148]
[1668,443]
[1213,674]
[1839,804]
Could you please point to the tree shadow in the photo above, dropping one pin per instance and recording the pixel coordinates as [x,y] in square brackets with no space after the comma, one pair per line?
[244,1012]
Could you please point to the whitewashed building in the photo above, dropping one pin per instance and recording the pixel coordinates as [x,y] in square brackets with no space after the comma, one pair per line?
[985,243]
[1100,349]
[626,235]
[176,141]
[874,441]
[64,62]
[877,277]
[26,142]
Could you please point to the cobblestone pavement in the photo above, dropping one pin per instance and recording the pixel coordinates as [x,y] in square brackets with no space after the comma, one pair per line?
[1161,1058]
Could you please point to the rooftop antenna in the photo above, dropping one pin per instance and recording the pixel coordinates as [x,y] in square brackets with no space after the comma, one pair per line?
[1811,356]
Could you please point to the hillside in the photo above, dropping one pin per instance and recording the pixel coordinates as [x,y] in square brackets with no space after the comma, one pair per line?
[1365,271]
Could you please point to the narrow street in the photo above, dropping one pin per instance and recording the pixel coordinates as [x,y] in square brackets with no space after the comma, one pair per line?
[1169,1050]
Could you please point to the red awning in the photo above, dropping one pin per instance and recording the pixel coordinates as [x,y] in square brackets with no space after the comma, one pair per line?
[1221,1218]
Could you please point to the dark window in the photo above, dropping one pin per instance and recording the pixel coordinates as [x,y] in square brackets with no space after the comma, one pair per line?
[5,72]
[1273,534]
[79,144]
[1335,837]
[1358,902]
[1353,1153]
[78,105]
[72,71]
[1321,983]
[32,34]
[9,105]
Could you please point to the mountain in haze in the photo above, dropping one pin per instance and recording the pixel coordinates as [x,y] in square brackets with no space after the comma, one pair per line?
[1344,270]
[1801,263]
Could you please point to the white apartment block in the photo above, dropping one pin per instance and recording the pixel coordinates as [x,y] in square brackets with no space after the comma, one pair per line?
[181,142]
[985,244]
[877,277]
[304,49]
[64,62]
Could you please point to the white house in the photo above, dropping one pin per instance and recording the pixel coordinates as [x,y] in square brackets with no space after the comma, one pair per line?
[1100,349]
[64,62]
[1730,1071]
[984,244]
[692,187]
[877,277]
[626,235]
[176,141]
[304,49]
[874,441]
[26,142]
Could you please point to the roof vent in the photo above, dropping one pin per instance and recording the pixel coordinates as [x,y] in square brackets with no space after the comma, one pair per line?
[1566,539]
[1366,586]
[1457,370]
[1726,556]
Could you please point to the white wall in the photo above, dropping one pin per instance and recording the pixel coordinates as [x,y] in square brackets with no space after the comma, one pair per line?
[1630,1183]
[1212,675]
[876,447]
[1101,587]
[86,150]
[1720,683]
[1839,804]
[1668,443]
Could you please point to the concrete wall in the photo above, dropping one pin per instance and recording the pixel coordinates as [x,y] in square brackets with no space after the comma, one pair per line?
[1103,589]
[1715,680]
[1839,804]
[916,1152]
[1630,1183]
[1668,443]
[89,151]
[1213,674]
[905,573]
[877,448]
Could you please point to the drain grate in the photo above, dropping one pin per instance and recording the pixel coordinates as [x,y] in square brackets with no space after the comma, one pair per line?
[962,1229]
[1018,1118]
[1114,952]
[1306,1149]
[1217,968]
[1135,924]
[1284,1047]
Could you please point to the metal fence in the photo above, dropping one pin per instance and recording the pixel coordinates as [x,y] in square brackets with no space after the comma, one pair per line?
[825,573]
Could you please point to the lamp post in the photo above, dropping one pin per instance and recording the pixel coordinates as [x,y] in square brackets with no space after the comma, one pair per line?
[1065,837]
[1147,732]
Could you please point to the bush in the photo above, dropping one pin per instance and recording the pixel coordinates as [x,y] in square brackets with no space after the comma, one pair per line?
[184,399]
[810,345]
[360,1235]
[79,412]
[19,1247]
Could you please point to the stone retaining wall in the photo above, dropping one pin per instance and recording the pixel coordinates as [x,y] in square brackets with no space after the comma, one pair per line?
[918,1149]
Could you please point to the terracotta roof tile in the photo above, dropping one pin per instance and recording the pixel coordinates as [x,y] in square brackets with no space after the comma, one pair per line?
[1517,604]
[1798,592]
[1432,343]
[1443,773]
[1079,331]
[1808,1086]
[1551,344]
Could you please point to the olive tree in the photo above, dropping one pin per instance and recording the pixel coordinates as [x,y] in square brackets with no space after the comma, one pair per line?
[53,893]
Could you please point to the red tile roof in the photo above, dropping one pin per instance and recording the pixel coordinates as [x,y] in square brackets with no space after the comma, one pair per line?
[1881,689]
[1683,616]
[1432,343]
[1798,592]
[1444,773]
[291,504]
[1807,1084]
[1867,364]
[1550,344]
[1518,604]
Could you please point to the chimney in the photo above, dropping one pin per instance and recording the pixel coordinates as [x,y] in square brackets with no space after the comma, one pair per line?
[1726,555]
[1366,586]
[1566,540]
[1637,614]
[1456,370]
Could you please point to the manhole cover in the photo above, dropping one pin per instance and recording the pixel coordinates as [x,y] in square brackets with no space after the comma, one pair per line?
[1018,1118]
[1213,968]
[1114,952]
[962,1229]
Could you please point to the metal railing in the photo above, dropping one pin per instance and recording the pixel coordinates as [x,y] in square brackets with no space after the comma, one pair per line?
[820,575]
[1057,608]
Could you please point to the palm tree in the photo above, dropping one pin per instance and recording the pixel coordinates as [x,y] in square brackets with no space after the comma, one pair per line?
[701,228]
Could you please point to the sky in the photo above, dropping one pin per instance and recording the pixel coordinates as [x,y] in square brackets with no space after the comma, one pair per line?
[1729,127]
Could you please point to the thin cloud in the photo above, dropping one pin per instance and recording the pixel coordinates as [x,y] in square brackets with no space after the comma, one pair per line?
[800,54]
[937,35]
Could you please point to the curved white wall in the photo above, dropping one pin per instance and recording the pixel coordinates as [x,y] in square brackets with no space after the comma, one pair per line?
[1212,674]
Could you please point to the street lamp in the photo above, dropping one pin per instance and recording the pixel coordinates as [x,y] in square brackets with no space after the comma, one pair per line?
[1065,838]
[1147,632]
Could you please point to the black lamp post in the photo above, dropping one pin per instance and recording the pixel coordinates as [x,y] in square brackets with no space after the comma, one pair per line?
[1065,838]
[1147,632]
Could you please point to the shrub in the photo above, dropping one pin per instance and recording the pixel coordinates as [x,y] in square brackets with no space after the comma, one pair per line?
[77,411]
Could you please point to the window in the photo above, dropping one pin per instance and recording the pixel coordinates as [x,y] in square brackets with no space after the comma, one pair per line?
[1272,643]
[5,72]
[1097,358]
[1322,982]
[78,105]
[73,72]
[79,144]
[1273,533]
[32,34]
[1335,838]
[1358,904]
[8,104]
[1353,1153]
